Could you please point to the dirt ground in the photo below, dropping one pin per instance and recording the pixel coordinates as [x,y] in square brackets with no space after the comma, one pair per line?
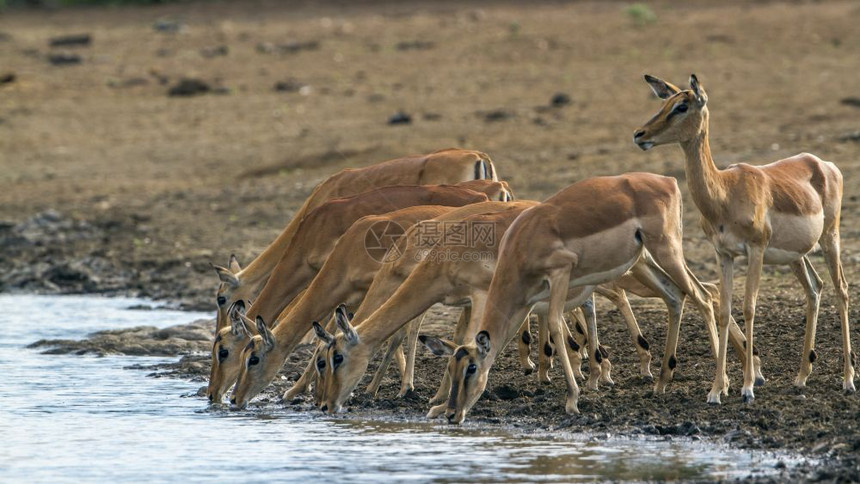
[108,184]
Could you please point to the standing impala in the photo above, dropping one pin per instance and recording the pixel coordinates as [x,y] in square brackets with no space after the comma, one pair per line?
[772,214]
[447,166]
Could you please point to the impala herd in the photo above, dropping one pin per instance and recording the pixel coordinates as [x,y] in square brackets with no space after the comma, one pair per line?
[446,230]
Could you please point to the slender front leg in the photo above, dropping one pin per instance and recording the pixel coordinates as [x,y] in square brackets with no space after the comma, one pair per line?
[595,356]
[523,343]
[303,383]
[811,283]
[394,345]
[558,282]
[545,350]
[726,274]
[407,382]
[755,255]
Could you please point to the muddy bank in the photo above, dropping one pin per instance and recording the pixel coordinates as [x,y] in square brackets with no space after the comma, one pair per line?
[181,339]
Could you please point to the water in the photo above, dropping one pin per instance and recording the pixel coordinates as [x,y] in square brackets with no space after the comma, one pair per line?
[73,419]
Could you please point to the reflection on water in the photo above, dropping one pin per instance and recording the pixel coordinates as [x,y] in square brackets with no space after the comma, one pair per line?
[70,418]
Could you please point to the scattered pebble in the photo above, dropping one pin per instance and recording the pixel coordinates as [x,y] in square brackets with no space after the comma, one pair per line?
[74,40]
[496,115]
[559,99]
[415,45]
[63,59]
[400,118]
[851,101]
[217,51]
[290,85]
[168,25]
[189,87]
[7,78]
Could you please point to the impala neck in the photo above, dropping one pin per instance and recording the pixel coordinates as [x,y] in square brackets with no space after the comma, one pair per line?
[703,177]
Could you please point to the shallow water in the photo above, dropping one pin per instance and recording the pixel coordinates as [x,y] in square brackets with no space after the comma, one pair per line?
[73,418]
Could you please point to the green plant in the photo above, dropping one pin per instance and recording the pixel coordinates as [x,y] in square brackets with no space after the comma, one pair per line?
[640,14]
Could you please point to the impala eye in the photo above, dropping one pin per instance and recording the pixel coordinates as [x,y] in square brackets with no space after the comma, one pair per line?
[321,364]
[253,360]
[221,300]
[223,354]
[471,369]
[337,359]
[681,108]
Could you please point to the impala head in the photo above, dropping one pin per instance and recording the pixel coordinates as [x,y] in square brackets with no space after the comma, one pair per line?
[681,118]
[260,362]
[341,361]
[468,368]
[226,353]
[229,290]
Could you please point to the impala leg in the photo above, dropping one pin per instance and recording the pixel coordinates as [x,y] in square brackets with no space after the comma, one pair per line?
[394,348]
[755,256]
[726,273]
[830,247]
[445,387]
[558,283]
[545,349]
[576,342]
[407,381]
[811,284]
[523,343]
[303,383]
[618,297]
[595,355]
[647,272]
[604,364]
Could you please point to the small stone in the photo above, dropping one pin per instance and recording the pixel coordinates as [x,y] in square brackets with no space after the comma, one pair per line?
[400,118]
[63,59]
[71,40]
[559,99]
[189,87]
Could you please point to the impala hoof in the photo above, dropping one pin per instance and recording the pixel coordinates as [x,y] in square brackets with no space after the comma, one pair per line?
[571,408]
[647,378]
[848,387]
[759,381]
[748,396]
[714,398]
[800,381]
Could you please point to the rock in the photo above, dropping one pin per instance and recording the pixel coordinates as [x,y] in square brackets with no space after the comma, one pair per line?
[64,59]
[210,52]
[559,99]
[290,85]
[74,40]
[291,47]
[168,25]
[130,82]
[399,118]
[7,78]
[496,115]
[850,136]
[415,45]
[851,101]
[189,87]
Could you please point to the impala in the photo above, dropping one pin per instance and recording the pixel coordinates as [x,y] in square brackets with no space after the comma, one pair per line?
[311,245]
[441,167]
[772,214]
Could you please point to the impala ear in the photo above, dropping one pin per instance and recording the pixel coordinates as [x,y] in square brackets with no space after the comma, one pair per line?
[234,264]
[437,346]
[226,276]
[265,333]
[342,321]
[239,324]
[661,88]
[482,340]
[698,90]
[322,334]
